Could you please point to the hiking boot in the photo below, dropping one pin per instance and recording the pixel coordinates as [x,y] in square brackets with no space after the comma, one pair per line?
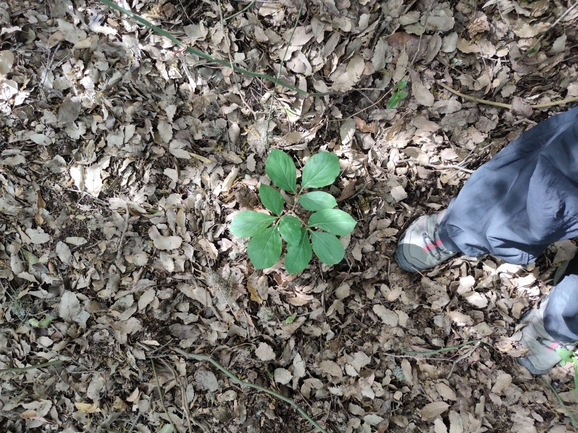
[541,355]
[420,247]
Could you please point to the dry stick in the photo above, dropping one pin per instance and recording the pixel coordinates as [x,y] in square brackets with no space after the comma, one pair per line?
[574,423]
[241,11]
[508,106]
[31,367]
[161,396]
[464,356]
[206,56]
[228,40]
[443,349]
[250,385]
[550,28]
[279,73]
[183,398]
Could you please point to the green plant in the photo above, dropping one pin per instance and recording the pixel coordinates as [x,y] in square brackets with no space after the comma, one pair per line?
[398,94]
[318,235]
[569,356]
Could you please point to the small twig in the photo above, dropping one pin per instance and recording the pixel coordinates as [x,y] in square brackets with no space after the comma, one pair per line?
[161,396]
[135,422]
[31,367]
[471,98]
[443,349]
[183,399]
[269,115]
[250,385]
[464,356]
[124,229]
[241,11]
[183,393]
[550,28]
[445,167]
[393,355]
[206,56]
[97,200]
[508,106]
[574,423]
[236,78]
[437,167]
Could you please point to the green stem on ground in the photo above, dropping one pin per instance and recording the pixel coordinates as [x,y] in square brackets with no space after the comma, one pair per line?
[443,349]
[241,11]
[502,105]
[574,423]
[31,367]
[250,385]
[206,56]
[161,396]
[279,73]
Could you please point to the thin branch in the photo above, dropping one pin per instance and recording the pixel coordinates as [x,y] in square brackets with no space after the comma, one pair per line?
[574,423]
[471,98]
[250,385]
[508,106]
[161,396]
[443,349]
[279,72]
[206,56]
[31,367]
[533,47]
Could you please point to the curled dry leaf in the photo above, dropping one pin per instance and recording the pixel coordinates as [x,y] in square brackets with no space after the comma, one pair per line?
[434,409]
[164,242]
[264,352]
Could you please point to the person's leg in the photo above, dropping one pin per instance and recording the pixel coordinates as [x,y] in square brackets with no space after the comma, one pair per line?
[553,324]
[512,207]
[523,199]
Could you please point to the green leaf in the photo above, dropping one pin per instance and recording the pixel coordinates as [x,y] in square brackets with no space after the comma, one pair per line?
[281,170]
[398,95]
[317,200]
[334,221]
[264,248]
[327,247]
[298,255]
[290,319]
[271,199]
[248,223]
[320,170]
[565,355]
[290,229]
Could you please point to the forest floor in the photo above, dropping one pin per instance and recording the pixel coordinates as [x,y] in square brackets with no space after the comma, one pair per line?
[125,158]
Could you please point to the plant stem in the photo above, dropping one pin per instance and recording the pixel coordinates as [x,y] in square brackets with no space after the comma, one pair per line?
[206,56]
[250,385]
[443,349]
[31,367]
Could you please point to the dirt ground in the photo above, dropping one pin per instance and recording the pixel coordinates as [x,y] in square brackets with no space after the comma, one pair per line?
[125,158]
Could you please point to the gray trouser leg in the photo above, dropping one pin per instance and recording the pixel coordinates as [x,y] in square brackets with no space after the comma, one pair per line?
[561,314]
[523,199]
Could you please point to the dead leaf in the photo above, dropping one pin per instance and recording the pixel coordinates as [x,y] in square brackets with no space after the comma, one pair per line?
[87,407]
[265,353]
[434,409]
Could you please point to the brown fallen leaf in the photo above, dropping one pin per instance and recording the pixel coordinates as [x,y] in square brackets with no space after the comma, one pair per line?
[434,409]
[410,43]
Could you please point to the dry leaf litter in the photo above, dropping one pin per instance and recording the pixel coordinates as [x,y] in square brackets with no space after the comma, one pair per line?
[124,160]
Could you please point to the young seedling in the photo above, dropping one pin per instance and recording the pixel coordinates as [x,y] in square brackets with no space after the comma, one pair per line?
[569,356]
[398,94]
[318,234]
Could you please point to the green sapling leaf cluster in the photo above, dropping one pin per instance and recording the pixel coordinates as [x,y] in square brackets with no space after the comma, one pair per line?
[398,94]
[569,356]
[303,236]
